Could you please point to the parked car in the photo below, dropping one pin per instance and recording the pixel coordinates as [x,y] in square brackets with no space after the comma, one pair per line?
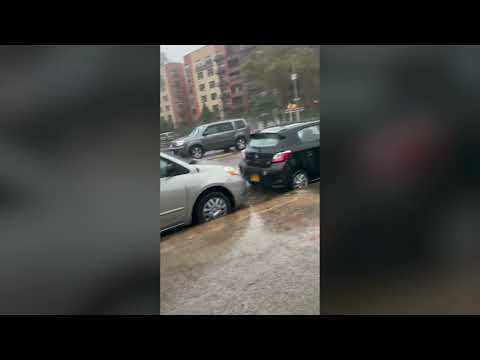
[168,136]
[191,193]
[215,136]
[283,156]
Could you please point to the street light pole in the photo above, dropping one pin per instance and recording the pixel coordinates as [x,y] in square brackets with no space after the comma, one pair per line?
[295,92]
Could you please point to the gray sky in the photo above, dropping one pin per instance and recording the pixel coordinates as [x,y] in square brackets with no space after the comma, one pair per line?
[175,53]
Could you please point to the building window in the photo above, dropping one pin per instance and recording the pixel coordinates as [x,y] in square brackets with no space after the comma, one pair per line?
[204,99]
[236,89]
[213,96]
[165,98]
[215,108]
[233,63]
[200,75]
[210,72]
[167,108]
[202,87]
[211,84]
[169,117]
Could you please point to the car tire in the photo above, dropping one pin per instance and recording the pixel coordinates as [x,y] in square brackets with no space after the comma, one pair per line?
[212,200]
[196,152]
[241,143]
[299,180]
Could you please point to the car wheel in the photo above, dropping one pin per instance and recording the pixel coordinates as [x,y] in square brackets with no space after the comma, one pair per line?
[196,152]
[212,206]
[241,143]
[299,180]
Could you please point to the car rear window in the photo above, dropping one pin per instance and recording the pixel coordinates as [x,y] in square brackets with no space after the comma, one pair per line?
[264,140]
[239,124]
[309,134]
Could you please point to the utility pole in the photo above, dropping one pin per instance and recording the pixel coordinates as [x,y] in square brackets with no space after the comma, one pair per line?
[295,92]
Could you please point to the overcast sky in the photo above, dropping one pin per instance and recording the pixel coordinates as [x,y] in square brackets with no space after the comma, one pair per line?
[175,53]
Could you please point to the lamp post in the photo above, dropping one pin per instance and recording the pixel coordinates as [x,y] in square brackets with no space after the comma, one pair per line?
[296,99]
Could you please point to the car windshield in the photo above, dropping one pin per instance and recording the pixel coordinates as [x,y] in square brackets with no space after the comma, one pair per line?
[195,131]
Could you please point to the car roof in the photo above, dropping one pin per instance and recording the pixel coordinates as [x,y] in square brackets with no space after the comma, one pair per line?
[284,128]
[222,122]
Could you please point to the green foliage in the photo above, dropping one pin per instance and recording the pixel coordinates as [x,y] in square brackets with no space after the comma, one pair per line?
[271,66]
[165,125]
[263,104]
[206,115]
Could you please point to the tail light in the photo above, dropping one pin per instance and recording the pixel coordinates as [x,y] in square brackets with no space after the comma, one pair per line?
[281,156]
[243,154]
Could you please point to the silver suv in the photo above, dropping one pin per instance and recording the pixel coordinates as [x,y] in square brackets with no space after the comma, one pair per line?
[214,136]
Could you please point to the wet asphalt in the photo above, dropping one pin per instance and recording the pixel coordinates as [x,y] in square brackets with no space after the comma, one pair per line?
[262,259]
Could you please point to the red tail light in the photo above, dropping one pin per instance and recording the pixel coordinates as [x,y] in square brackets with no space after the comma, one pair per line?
[281,156]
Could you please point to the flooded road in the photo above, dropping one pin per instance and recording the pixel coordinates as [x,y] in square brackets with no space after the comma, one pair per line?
[262,259]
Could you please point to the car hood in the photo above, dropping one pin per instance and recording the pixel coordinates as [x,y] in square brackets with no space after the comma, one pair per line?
[184,138]
[210,168]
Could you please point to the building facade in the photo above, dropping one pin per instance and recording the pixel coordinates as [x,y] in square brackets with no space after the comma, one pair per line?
[203,80]
[236,90]
[174,102]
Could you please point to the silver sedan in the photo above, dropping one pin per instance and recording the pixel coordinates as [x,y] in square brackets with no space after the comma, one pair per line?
[192,193]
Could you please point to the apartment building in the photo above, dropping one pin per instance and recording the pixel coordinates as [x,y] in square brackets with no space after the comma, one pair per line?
[235,88]
[203,80]
[174,103]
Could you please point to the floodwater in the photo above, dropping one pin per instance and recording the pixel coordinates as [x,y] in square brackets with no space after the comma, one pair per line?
[262,259]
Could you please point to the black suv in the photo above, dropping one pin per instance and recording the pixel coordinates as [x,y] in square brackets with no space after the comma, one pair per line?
[283,156]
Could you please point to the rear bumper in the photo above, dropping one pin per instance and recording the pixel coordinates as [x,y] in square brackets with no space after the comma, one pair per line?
[272,176]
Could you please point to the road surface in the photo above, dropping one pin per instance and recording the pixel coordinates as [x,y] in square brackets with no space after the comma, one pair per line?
[262,259]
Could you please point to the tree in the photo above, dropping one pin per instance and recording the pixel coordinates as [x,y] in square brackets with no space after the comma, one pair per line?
[271,66]
[263,104]
[165,125]
[206,115]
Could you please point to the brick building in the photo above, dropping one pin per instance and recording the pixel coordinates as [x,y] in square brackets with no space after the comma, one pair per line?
[174,104]
[236,90]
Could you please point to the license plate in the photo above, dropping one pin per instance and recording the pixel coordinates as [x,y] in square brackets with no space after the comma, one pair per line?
[255,178]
